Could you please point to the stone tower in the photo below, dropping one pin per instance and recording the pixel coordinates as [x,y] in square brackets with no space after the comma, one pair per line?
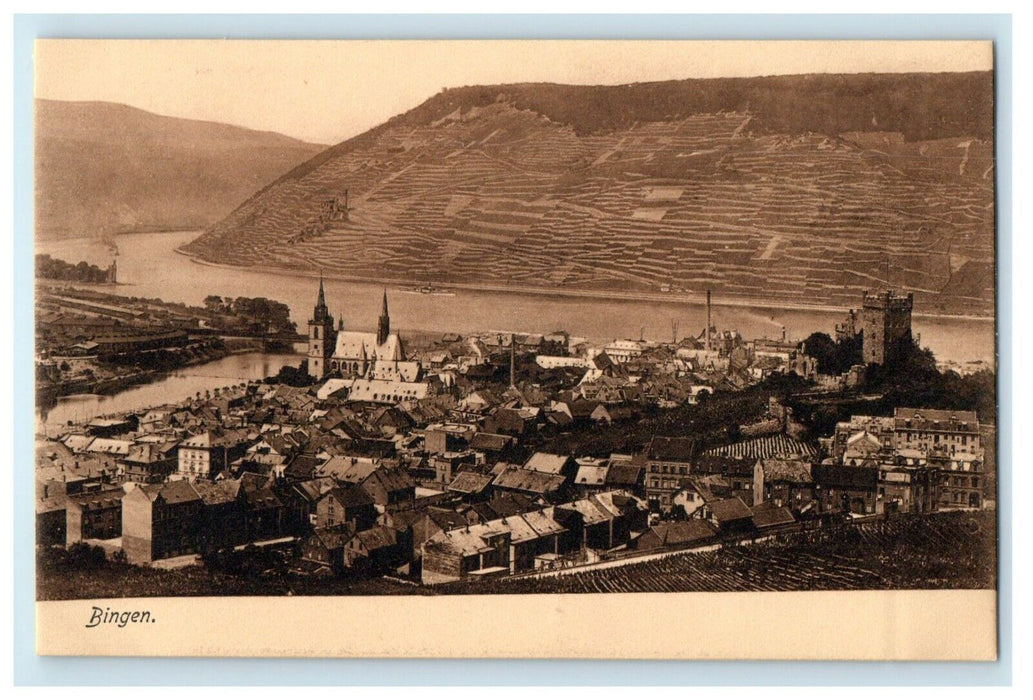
[886,323]
[384,323]
[321,337]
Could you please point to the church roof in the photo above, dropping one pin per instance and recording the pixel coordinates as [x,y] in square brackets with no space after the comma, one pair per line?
[357,345]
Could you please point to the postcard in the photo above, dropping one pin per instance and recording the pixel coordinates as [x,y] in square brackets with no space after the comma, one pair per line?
[537,349]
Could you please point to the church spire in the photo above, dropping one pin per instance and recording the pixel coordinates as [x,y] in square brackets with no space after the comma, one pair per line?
[384,324]
[320,313]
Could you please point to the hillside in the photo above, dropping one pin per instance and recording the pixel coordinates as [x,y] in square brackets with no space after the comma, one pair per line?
[803,188]
[103,168]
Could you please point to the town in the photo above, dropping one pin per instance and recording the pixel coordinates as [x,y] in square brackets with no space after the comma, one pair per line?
[502,456]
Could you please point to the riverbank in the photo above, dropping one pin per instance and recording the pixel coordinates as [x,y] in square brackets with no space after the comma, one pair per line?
[724,300]
[48,394]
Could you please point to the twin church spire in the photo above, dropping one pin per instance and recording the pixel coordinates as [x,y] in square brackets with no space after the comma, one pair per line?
[323,338]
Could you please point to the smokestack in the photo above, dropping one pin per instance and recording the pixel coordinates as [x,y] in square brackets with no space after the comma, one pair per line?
[708,320]
[512,360]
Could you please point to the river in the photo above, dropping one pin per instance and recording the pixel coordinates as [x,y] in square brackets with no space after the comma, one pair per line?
[148,266]
[172,388]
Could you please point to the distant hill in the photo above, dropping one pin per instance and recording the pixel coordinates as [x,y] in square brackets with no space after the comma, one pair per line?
[103,168]
[803,188]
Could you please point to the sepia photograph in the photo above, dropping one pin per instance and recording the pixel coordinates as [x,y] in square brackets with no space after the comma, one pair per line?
[480,323]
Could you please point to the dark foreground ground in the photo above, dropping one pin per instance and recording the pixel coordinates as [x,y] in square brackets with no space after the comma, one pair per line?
[947,550]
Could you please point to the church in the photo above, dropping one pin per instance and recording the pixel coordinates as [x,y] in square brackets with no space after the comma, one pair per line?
[352,354]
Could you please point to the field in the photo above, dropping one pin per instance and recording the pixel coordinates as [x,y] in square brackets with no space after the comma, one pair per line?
[949,550]
[500,195]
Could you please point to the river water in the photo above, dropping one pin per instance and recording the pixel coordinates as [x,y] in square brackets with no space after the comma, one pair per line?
[148,266]
[172,388]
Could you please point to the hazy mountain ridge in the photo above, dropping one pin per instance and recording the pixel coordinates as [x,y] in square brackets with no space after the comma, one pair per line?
[103,168]
[679,185]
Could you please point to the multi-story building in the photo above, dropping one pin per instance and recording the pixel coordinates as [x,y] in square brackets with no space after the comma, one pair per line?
[668,465]
[928,429]
[160,521]
[209,454]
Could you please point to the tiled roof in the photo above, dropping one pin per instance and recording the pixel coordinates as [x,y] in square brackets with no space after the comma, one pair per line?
[470,482]
[528,480]
[730,509]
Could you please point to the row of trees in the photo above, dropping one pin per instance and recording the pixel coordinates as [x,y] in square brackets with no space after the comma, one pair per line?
[267,312]
[56,269]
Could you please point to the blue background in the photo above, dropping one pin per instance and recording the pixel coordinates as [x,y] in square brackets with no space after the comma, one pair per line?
[32,670]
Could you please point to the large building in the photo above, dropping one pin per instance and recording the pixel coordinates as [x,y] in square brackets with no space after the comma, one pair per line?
[378,355]
[886,324]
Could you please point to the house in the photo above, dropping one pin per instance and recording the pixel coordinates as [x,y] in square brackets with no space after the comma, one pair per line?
[501,506]
[529,482]
[556,465]
[326,548]
[668,461]
[927,429]
[471,485]
[51,520]
[607,414]
[300,502]
[448,464]
[768,516]
[441,438]
[492,445]
[607,519]
[160,521]
[730,515]
[473,550]
[784,482]
[840,489]
[375,550]
[626,476]
[676,534]
[208,454]
[224,523]
[340,505]
[265,514]
[517,422]
[109,427]
[862,447]
[591,475]
[736,471]
[93,516]
[149,463]
[389,487]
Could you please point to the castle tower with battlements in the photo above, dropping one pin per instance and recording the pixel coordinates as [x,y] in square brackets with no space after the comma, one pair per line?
[886,324]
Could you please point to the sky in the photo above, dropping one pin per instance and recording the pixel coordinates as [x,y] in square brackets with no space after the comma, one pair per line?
[328,91]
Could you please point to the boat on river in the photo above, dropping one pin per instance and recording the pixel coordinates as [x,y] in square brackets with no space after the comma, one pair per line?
[429,290]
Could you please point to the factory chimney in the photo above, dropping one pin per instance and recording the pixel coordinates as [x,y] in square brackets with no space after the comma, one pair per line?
[708,321]
[512,360]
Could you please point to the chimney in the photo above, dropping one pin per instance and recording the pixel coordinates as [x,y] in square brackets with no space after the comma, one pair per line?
[512,360]
[708,320]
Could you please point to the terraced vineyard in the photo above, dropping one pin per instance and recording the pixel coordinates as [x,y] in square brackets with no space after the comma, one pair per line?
[951,550]
[500,194]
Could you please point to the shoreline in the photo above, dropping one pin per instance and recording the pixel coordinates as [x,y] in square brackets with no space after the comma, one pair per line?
[656,297]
